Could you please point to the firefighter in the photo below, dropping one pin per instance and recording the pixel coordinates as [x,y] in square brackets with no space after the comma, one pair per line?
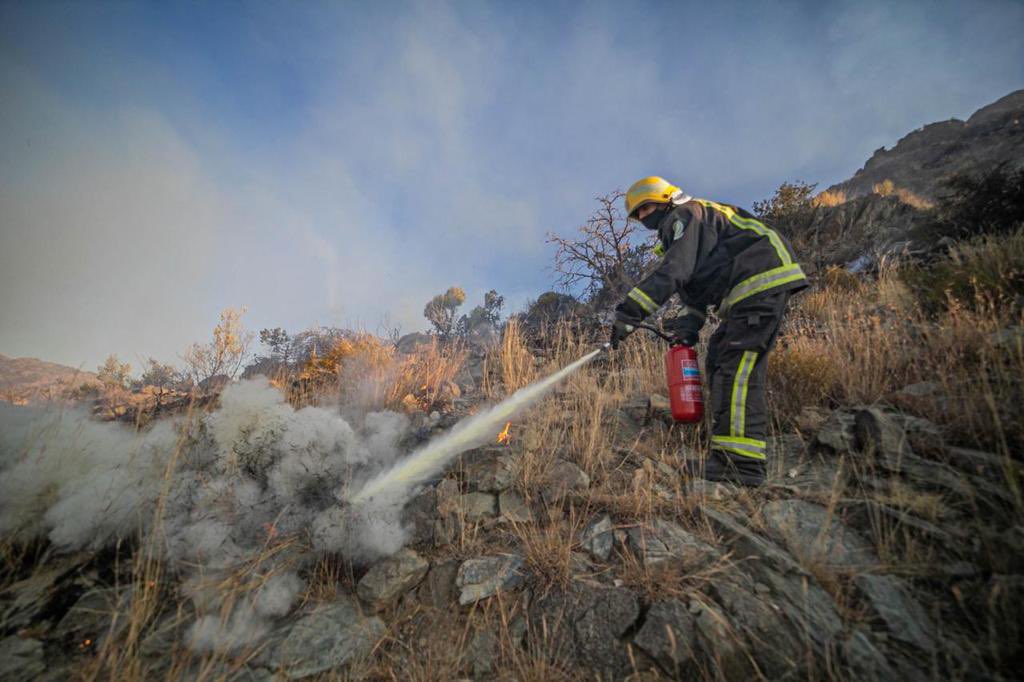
[714,254]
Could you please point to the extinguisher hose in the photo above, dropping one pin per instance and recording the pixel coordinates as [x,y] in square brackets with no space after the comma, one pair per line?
[656,331]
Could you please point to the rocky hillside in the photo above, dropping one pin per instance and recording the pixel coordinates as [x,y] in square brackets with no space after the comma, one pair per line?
[922,160]
[24,380]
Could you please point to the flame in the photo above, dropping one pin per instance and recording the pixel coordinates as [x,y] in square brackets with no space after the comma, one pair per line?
[504,436]
[85,644]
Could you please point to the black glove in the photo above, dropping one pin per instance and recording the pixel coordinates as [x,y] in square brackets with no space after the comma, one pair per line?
[620,330]
[686,338]
[684,330]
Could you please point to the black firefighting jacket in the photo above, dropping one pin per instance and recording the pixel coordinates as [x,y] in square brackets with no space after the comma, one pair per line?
[713,254]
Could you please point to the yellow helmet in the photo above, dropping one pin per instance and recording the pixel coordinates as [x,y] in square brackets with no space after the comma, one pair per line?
[648,190]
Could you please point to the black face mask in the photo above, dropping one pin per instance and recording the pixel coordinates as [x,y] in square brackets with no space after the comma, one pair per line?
[653,219]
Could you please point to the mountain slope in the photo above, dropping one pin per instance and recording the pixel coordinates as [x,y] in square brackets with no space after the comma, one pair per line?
[923,159]
[26,379]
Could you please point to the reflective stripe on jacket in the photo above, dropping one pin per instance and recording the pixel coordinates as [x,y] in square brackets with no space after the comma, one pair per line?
[714,254]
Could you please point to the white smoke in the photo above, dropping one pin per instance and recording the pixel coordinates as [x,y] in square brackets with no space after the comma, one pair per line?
[254,472]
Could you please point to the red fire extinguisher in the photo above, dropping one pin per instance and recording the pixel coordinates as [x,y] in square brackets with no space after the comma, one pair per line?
[685,391]
[682,373]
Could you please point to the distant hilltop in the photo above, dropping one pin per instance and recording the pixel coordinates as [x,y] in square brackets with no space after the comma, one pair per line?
[922,160]
[24,380]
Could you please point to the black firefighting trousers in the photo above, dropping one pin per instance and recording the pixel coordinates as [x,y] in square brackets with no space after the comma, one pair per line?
[737,367]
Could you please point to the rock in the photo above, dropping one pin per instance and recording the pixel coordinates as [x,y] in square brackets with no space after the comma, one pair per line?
[512,507]
[805,605]
[410,343]
[625,429]
[669,637]
[564,478]
[484,577]
[28,601]
[478,506]
[481,652]
[722,646]
[587,622]
[659,408]
[330,637]
[867,514]
[980,463]
[419,516]
[811,532]
[492,475]
[837,432]
[922,389]
[865,659]
[438,588]
[662,541]
[879,433]
[598,539]
[392,577]
[903,616]
[90,618]
[761,623]
[21,660]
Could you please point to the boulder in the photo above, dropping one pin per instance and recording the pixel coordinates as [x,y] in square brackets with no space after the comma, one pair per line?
[478,506]
[492,475]
[669,637]
[564,478]
[28,600]
[598,538]
[438,588]
[662,541]
[420,515]
[21,660]
[484,577]
[92,615]
[587,622]
[811,532]
[807,607]
[837,433]
[880,433]
[904,617]
[332,636]
[481,652]
[922,389]
[513,507]
[659,409]
[392,577]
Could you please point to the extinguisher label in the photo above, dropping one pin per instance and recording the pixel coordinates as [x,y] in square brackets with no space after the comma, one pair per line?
[691,372]
[693,393]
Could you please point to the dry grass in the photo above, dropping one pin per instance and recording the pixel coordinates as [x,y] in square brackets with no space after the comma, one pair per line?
[367,373]
[829,198]
[888,188]
[851,340]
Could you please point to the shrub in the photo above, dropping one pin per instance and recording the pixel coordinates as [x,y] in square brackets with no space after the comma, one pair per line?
[983,270]
[113,373]
[982,203]
[442,312]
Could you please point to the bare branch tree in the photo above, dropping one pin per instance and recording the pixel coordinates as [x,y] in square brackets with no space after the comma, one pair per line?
[607,258]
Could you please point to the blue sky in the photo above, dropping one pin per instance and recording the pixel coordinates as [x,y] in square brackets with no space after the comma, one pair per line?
[322,163]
